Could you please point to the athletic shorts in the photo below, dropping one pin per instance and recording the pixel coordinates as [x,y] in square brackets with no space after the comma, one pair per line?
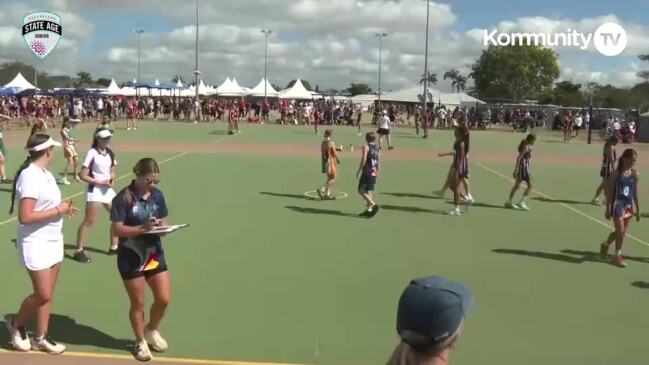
[524,175]
[383,132]
[622,210]
[135,259]
[39,254]
[100,194]
[367,182]
[70,151]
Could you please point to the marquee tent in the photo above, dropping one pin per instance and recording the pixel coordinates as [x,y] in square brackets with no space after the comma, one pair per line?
[259,89]
[298,91]
[20,82]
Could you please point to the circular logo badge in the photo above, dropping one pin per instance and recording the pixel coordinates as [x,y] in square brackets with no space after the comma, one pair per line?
[610,39]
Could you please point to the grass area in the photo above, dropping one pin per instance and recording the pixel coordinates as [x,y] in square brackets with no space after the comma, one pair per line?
[264,274]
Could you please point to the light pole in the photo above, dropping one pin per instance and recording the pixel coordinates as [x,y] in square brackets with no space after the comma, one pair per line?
[425,95]
[266,32]
[380,36]
[139,34]
[197,73]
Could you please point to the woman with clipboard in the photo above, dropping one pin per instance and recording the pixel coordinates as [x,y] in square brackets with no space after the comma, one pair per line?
[136,211]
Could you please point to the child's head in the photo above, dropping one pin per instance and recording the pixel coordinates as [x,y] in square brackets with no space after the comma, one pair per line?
[328,133]
[627,160]
[531,138]
[370,137]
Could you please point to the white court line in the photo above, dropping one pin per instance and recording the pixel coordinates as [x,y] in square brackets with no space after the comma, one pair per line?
[13,219]
[583,214]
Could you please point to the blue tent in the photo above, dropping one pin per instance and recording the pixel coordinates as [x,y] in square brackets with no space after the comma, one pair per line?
[10,90]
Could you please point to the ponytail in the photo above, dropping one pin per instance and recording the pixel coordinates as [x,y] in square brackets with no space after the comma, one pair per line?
[25,164]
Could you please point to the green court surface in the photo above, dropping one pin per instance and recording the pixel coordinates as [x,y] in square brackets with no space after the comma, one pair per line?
[266,274]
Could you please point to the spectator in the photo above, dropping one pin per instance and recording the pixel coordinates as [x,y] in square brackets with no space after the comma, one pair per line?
[429,321]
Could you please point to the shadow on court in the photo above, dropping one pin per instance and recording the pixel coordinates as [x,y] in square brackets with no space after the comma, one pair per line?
[324,212]
[218,132]
[481,205]
[640,284]
[86,248]
[564,201]
[411,209]
[69,332]
[294,196]
[413,195]
[569,256]
[6,190]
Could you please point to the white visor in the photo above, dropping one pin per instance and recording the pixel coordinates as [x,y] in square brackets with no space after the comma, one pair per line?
[45,145]
[105,133]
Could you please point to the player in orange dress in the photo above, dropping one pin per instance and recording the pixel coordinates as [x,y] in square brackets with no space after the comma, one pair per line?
[329,161]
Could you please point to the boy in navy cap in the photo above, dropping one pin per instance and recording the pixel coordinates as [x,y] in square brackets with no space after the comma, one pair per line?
[429,321]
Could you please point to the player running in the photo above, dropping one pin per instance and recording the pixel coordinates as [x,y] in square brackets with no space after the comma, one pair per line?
[621,194]
[608,166]
[329,161]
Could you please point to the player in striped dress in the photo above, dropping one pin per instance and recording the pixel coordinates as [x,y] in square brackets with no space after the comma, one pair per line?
[608,166]
[460,168]
[622,195]
[522,173]
[329,161]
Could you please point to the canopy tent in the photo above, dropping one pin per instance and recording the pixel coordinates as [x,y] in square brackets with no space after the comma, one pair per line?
[179,84]
[230,88]
[297,92]
[20,82]
[414,95]
[258,91]
[9,90]
[113,89]
[156,83]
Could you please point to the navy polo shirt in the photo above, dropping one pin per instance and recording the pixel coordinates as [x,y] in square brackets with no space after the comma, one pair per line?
[133,210]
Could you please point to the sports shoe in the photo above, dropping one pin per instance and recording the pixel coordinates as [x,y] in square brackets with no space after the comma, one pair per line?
[4,181]
[511,205]
[112,251]
[134,128]
[142,352]
[619,261]
[603,252]
[523,206]
[469,200]
[455,211]
[321,193]
[156,341]
[129,129]
[64,181]
[81,257]
[19,338]
[372,213]
[596,201]
[391,147]
[48,345]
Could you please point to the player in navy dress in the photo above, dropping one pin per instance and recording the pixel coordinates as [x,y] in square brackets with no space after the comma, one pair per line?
[522,173]
[608,166]
[622,198]
[368,171]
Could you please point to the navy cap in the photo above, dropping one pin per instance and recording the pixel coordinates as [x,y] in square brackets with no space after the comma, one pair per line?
[431,310]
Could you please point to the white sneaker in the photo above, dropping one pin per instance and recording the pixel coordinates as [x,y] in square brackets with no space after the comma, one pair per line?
[523,206]
[48,345]
[19,338]
[156,341]
[469,200]
[134,128]
[455,211]
[511,205]
[129,129]
[596,201]
[142,352]
[64,181]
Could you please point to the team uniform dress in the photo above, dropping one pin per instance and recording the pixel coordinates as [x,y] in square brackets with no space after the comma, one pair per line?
[68,143]
[143,255]
[460,161]
[608,166]
[622,206]
[40,245]
[328,160]
[523,162]
[99,165]
[370,170]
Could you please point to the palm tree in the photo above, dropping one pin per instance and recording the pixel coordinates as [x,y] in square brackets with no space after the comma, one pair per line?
[460,83]
[429,77]
[452,75]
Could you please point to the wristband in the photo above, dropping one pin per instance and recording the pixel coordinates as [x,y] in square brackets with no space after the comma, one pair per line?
[57,210]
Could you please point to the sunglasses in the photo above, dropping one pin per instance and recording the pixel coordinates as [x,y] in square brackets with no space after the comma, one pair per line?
[152,181]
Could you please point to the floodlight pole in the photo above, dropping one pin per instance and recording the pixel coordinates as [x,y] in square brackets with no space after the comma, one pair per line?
[425,95]
[266,32]
[197,73]
[380,36]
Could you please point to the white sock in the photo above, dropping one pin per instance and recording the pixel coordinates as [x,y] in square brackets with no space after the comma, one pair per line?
[619,252]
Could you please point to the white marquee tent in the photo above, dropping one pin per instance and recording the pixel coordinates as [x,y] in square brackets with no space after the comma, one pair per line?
[113,89]
[413,95]
[230,88]
[298,91]
[259,89]
[20,82]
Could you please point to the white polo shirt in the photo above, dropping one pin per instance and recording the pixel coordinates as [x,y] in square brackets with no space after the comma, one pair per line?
[99,164]
[39,184]
[384,122]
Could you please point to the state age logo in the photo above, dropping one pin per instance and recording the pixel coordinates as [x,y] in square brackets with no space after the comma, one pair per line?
[42,31]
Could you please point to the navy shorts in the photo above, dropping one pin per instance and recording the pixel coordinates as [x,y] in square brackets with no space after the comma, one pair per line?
[136,259]
[367,182]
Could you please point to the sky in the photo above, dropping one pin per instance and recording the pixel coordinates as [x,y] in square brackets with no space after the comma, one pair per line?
[331,43]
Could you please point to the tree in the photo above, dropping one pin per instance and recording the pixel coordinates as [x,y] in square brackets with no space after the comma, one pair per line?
[431,78]
[452,75]
[359,89]
[644,74]
[83,78]
[306,84]
[103,82]
[515,72]
[317,88]
[460,83]
[178,77]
